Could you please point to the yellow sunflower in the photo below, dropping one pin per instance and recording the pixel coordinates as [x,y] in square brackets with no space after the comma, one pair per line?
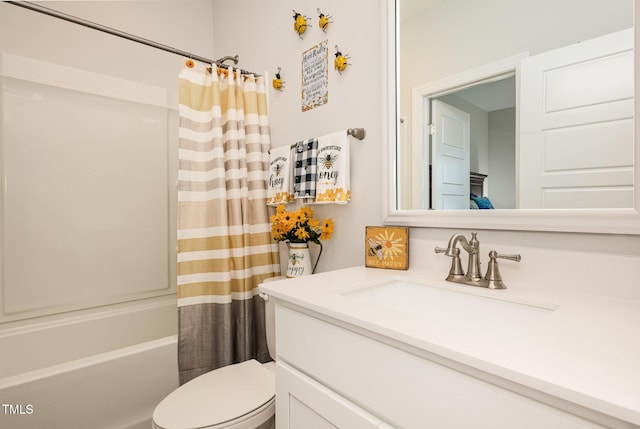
[326,229]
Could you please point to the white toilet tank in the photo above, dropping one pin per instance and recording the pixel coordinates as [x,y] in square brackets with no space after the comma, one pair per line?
[270,320]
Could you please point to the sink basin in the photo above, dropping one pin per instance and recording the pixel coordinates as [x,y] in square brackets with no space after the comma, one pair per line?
[455,309]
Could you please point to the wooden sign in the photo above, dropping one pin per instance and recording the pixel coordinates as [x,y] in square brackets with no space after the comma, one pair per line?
[387,247]
[315,76]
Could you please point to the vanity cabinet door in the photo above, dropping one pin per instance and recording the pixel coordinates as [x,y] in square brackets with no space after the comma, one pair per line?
[404,389]
[303,403]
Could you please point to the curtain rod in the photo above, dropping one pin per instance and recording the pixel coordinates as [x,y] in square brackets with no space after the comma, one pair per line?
[95,26]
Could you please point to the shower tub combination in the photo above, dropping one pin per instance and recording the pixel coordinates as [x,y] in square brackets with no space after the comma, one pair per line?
[87,238]
[87,242]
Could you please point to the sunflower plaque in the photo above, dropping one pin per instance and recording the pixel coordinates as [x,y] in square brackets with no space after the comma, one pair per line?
[387,247]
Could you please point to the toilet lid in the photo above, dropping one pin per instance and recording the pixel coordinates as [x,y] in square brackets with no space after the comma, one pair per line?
[217,397]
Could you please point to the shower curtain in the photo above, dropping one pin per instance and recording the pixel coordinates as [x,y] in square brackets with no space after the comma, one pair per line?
[225,248]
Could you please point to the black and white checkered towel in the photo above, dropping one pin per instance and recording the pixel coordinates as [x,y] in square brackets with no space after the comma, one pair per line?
[304,173]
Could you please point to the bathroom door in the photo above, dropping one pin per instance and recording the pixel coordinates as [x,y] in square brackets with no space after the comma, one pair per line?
[450,156]
[576,125]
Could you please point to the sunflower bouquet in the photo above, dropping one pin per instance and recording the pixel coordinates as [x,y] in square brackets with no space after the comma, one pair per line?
[299,226]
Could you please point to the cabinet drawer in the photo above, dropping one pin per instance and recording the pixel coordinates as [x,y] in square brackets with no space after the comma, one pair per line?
[405,390]
[305,404]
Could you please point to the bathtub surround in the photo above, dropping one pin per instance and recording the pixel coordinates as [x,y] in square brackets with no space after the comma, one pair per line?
[225,247]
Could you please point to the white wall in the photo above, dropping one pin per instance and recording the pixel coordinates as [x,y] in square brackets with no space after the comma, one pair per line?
[266,39]
[502,158]
[459,35]
[181,24]
[261,32]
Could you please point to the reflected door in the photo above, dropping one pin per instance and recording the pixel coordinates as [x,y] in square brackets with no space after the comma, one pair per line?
[576,125]
[450,156]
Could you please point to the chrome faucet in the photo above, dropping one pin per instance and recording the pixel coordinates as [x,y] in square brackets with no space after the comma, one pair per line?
[473,276]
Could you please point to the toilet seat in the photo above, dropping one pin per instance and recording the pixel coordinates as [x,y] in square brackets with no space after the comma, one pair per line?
[221,398]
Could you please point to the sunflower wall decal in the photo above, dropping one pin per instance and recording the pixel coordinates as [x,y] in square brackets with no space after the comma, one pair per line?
[387,247]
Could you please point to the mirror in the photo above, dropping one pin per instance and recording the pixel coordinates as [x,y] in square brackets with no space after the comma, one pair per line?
[438,47]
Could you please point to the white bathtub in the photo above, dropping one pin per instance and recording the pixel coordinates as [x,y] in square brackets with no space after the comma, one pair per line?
[116,390]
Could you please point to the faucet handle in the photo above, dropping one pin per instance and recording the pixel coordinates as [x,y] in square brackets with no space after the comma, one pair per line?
[493,271]
[456,266]
[516,258]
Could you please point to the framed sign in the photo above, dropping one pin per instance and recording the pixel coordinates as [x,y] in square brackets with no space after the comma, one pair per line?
[387,247]
[315,76]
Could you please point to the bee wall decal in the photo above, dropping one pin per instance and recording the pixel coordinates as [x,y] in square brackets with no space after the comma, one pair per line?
[278,83]
[341,61]
[328,160]
[300,23]
[323,20]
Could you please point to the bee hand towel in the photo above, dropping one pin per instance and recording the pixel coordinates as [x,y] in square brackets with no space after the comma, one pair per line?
[333,183]
[278,187]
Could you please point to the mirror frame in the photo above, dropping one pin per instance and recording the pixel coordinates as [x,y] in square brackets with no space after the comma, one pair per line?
[604,221]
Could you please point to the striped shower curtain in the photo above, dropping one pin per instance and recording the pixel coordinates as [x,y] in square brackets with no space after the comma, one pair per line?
[225,247]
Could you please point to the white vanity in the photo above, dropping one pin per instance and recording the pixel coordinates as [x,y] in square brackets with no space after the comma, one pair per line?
[370,348]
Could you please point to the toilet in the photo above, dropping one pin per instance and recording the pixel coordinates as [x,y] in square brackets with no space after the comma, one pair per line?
[239,396]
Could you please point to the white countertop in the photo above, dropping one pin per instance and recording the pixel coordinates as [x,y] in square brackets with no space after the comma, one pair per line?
[587,351]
